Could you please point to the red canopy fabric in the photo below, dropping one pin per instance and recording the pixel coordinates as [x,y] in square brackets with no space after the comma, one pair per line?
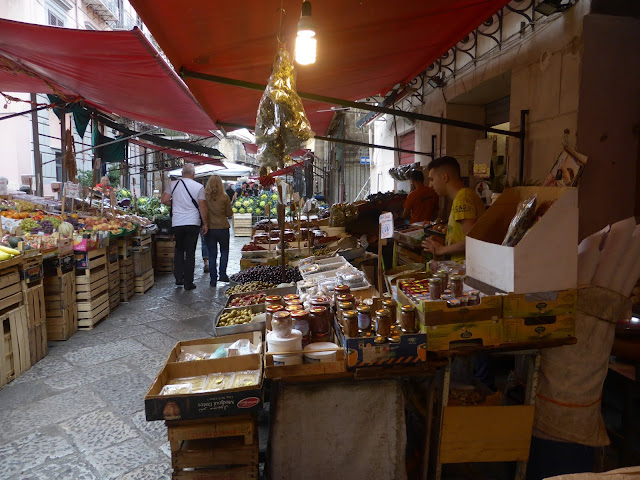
[287,170]
[250,148]
[188,157]
[117,72]
[364,48]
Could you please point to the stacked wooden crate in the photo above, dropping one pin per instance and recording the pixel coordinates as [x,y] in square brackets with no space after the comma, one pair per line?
[60,297]
[164,255]
[143,268]
[15,356]
[214,448]
[242,224]
[92,287]
[125,265]
[113,270]
[31,275]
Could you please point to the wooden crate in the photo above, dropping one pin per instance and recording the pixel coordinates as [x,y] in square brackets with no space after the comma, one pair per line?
[125,248]
[31,271]
[164,265]
[11,295]
[114,300]
[112,252]
[38,342]
[62,323]
[232,473]
[143,283]
[141,240]
[164,256]
[91,259]
[15,357]
[59,291]
[91,312]
[35,303]
[211,452]
[142,261]
[211,428]
[242,231]
[90,284]
[59,265]
[165,247]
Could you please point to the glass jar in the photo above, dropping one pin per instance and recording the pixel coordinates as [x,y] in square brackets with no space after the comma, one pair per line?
[435,287]
[281,323]
[319,321]
[342,306]
[294,308]
[300,320]
[274,300]
[350,321]
[383,323]
[291,296]
[320,301]
[444,275]
[392,306]
[453,303]
[342,290]
[271,309]
[457,285]
[344,297]
[364,318]
[408,318]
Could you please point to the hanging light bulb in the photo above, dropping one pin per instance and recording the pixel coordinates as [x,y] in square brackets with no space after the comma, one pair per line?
[306,41]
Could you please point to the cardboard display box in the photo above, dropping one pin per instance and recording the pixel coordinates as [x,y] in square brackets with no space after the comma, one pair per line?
[547,256]
[540,304]
[538,328]
[237,401]
[210,345]
[364,352]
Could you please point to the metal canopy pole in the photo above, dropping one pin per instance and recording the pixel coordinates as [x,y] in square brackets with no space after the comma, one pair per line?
[7,117]
[523,136]
[348,103]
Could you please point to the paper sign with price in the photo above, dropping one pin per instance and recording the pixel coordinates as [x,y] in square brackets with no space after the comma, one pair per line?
[386,225]
[72,190]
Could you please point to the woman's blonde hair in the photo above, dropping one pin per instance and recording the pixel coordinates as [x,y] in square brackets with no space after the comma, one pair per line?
[214,188]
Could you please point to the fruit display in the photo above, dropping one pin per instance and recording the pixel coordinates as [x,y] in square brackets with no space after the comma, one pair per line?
[236,317]
[250,287]
[255,205]
[102,224]
[246,300]
[270,274]
[250,247]
[7,253]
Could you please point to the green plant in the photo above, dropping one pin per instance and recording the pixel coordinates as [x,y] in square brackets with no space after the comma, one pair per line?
[114,175]
[85,178]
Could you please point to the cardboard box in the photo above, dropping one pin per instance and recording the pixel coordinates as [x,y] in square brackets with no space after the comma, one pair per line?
[237,401]
[538,328]
[459,335]
[547,256]
[210,345]
[540,304]
[364,352]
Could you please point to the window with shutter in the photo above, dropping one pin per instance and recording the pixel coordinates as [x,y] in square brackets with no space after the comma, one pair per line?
[407,142]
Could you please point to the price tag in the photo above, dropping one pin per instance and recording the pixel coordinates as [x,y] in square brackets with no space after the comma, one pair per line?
[72,190]
[386,225]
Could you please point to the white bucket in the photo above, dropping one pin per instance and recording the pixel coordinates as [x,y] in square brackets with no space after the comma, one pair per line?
[311,356]
[295,359]
[291,343]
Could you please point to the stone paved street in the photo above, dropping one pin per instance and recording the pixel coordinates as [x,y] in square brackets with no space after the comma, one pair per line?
[79,413]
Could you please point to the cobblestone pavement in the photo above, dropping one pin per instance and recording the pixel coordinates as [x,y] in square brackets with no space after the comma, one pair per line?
[79,413]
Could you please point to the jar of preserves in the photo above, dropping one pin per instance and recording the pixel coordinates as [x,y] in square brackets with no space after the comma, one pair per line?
[453,302]
[408,318]
[291,296]
[293,302]
[345,297]
[320,301]
[364,318]
[457,285]
[350,322]
[271,309]
[435,287]
[274,300]
[319,321]
[300,320]
[444,275]
[342,306]
[383,323]
[281,323]
[294,308]
[342,290]
[392,306]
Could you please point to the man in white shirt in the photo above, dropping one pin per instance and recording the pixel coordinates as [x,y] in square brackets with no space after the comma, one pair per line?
[189,211]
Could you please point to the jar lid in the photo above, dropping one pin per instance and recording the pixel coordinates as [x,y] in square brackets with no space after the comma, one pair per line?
[349,313]
[274,308]
[346,305]
[407,308]
[435,280]
[364,309]
[388,302]
[456,277]
[383,312]
[343,288]
[346,297]
[321,310]
[273,298]
[319,300]
[292,296]
[294,308]
[281,314]
[310,350]
[299,314]
[294,301]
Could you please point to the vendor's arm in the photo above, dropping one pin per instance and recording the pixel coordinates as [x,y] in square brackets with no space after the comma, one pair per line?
[455,248]
[166,199]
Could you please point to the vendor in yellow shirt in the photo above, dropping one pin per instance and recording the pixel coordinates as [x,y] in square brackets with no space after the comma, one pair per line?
[444,178]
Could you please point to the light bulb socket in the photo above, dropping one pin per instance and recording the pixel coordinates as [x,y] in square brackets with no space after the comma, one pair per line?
[306,22]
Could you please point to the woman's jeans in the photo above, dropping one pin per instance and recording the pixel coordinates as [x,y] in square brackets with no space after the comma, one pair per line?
[214,237]
[203,247]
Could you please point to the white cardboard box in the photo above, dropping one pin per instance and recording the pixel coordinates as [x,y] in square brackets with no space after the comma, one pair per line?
[546,259]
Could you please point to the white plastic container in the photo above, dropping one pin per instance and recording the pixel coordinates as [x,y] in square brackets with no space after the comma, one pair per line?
[291,343]
[295,359]
[312,356]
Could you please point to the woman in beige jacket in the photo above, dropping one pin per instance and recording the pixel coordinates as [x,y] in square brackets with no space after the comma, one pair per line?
[218,212]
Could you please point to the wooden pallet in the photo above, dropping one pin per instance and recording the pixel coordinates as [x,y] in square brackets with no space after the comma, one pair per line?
[90,284]
[62,323]
[38,342]
[11,295]
[15,357]
[91,312]
[143,283]
[91,259]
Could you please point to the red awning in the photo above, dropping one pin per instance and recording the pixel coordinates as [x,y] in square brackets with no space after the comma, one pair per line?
[364,48]
[287,170]
[188,157]
[117,72]
[250,148]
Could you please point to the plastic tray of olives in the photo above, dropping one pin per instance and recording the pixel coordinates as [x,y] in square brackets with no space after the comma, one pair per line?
[231,328]
[282,291]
